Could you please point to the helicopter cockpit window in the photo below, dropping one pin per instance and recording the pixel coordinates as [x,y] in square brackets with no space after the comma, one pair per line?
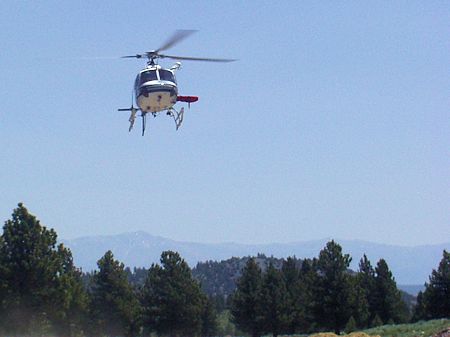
[148,76]
[166,75]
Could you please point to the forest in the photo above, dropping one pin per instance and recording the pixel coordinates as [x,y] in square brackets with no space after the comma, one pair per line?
[42,292]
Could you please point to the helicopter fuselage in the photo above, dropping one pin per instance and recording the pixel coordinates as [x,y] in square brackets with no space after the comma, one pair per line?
[156,89]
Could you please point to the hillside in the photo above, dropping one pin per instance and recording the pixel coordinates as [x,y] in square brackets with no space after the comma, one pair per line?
[410,265]
[218,279]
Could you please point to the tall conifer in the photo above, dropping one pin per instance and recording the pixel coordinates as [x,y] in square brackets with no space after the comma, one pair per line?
[274,302]
[246,305]
[437,290]
[389,305]
[38,279]
[173,303]
[334,293]
[115,307]
[366,281]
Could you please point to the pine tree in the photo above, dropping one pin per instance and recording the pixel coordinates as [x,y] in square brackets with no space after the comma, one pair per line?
[437,291]
[334,295]
[38,278]
[376,321]
[359,304]
[209,318]
[172,300]
[114,305]
[71,304]
[389,305]
[420,309]
[291,275]
[366,281]
[274,302]
[351,325]
[308,303]
[245,306]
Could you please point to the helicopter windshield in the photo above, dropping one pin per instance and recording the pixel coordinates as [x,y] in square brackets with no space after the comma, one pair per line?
[149,75]
[166,75]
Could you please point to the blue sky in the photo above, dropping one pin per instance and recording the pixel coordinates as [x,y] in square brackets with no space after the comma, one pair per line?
[333,123]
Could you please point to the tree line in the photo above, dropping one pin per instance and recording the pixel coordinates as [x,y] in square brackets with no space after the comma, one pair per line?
[319,294]
[42,292]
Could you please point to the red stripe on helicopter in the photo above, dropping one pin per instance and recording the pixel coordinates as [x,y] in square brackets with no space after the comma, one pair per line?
[188,99]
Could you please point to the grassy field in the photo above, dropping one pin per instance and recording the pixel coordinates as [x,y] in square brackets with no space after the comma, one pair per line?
[419,329]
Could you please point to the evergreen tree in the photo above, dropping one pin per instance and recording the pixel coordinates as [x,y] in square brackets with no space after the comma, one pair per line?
[291,275]
[420,310]
[437,291]
[274,302]
[359,305]
[376,321]
[334,294]
[114,305]
[71,304]
[389,305]
[209,318]
[308,302]
[172,300]
[245,306]
[38,278]
[366,281]
[351,325]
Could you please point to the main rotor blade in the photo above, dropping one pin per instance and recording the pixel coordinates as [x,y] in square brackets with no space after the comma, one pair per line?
[175,38]
[196,58]
[137,56]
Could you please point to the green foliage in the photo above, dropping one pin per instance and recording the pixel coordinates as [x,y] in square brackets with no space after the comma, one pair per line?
[366,281]
[114,305]
[359,303]
[376,321]
[209,319]
[273,302]
[71,302]
[308,302]
[43,293]
[245,306]
[40,286]
[297,302]
[173,303]
[388,305]
[420,311]
[419,329]
[219,279]
[334,292]
[436,296]
[226,327]
[351,325]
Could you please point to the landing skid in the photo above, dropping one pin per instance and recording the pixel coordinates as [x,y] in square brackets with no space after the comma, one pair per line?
[177,116]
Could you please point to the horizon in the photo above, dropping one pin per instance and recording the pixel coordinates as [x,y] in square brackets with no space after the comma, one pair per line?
[255,243]
[409,264]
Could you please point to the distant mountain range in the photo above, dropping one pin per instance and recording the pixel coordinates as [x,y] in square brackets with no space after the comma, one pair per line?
[410,265]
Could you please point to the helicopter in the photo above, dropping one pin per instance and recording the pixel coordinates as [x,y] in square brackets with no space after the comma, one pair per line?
[155,87]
